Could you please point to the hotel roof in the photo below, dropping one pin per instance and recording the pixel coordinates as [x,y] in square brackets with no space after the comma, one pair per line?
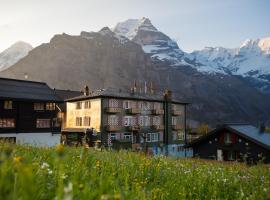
[122,94]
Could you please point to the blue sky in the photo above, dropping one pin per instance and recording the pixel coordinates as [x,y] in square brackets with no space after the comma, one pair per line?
[194,24]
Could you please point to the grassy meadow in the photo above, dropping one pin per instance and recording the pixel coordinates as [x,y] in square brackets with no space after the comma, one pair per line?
[78,173]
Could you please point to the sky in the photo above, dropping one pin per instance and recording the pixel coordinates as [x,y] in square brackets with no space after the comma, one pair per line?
[194,24]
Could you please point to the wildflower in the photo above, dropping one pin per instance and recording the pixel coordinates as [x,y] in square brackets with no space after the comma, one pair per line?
[44,165]
[60,149]
[68,192]
[17,159]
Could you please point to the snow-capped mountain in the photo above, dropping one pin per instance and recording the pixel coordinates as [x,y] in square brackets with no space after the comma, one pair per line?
[13,54]
[157,44]
[250,60]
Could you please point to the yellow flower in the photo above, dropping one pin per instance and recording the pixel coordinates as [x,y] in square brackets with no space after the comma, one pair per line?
[60,149]
[17,159]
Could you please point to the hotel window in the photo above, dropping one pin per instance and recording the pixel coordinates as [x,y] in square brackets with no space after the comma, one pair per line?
[157,105]
[128,121]
[50,106]
[78,105]
[128,136]
[113,120]
[174,121]
[87,104]
[87,121]
[113,103]
[38,106]
[43,123]
[113,136]
[78,121]
[7,123]
[127,104]
[154,137]
[144,121]
[8,105]
[156,120]
[227,138]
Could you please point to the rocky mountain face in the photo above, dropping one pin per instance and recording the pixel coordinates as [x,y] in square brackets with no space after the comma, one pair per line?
[109,59]
[13,54]
[251,60]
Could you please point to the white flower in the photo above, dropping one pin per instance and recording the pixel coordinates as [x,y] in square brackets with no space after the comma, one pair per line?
[44,165]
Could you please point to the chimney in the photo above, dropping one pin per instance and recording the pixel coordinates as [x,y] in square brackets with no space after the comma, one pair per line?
[262,128]
[168,95]
[86,90]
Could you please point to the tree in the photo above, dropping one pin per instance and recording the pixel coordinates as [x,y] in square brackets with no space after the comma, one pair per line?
[202,129]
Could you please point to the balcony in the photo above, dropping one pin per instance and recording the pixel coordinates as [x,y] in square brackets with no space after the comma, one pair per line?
[113,128]
[113,110]
[133,128]
[158,112]
[133,111]
[158,127]
[176,112]
[177,127]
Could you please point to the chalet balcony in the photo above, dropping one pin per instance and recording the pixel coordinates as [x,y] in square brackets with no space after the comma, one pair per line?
[176,112]
[133,111]
[158,112]
[133,128]
[158,127]
[177,127]
[113,110]
[113,128]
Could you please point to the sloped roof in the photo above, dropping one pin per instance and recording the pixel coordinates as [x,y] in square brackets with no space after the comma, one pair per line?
[67,94]
[26,90]
[252,132]
[124,94]
[245,130]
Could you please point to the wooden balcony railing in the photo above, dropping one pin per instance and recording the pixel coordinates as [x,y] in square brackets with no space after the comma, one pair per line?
[113,110]
[158,112]
[133,111]
[113,128]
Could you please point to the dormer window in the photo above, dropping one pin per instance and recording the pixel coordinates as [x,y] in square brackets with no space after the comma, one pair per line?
[38,106]
[8,105]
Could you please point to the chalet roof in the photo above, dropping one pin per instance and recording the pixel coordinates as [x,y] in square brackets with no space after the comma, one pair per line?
[245,130]
[123,94]
[26,90]
[252,132]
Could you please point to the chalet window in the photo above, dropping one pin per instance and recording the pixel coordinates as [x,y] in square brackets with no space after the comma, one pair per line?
[78,121]
[87,121]
[113,120]
[38,106]
[7,123]
[50,106]
[8,105]
[128,136]
[148,137]
[231,155]
[78,105]
[227,138]
[43,123]
[8,140]
[87,104]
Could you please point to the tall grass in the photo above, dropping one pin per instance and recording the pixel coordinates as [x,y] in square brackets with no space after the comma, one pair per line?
[77,173]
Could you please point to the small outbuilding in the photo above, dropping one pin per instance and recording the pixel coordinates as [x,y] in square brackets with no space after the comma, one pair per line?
[231,142]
